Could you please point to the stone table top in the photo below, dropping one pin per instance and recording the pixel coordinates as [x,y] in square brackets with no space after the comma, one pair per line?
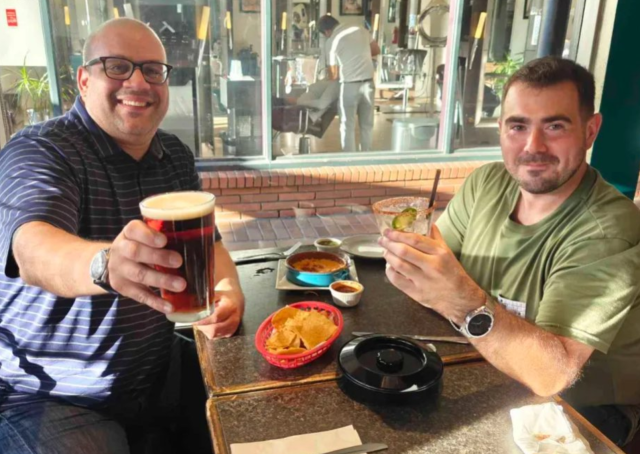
[234,364]
[472,416]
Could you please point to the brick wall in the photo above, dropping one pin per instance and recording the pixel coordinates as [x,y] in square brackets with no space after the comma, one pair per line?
[327,190]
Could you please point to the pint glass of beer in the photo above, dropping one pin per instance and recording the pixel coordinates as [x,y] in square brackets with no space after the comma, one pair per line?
[187,219]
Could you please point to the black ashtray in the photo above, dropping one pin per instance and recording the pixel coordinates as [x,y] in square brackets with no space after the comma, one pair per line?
[389,370]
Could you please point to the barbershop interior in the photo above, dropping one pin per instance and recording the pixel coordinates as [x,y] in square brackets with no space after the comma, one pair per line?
[246,80]
[239,67]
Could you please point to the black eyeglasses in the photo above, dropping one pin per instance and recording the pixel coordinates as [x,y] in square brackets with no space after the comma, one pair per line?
[118,68]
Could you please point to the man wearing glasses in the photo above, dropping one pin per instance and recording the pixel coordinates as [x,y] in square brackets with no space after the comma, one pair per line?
[88,361]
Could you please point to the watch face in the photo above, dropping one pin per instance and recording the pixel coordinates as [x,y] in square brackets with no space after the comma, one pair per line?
[98,265]
[480,325]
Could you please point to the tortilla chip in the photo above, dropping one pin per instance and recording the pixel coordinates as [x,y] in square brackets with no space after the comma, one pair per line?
[282,339]
[295,323]
[316,329]
[296,331]
[280,317]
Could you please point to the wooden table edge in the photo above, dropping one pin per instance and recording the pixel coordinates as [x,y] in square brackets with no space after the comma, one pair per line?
[220,445]
[203,360]
[593,429]
[217,391]
[218,440]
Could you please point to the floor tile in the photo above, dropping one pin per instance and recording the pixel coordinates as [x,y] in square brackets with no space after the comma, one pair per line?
[254,234]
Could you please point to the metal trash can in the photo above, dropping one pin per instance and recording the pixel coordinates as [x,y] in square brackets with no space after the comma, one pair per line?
[413,133]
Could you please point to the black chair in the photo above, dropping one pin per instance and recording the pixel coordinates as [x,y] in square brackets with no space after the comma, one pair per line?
[296,119]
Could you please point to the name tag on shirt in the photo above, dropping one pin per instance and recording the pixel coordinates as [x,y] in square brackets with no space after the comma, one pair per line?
[515,307]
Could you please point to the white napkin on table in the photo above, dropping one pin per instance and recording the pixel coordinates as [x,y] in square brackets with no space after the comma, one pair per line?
[314,443]
[546,429]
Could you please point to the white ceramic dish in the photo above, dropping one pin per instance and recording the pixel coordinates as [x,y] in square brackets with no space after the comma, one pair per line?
[334,248]
[282,283]
[342,299]
[363,246]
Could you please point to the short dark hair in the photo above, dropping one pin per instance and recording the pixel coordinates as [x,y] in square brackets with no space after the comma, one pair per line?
[548,71]
[327,23]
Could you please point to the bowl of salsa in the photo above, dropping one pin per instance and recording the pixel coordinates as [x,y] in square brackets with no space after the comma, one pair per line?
[346,293]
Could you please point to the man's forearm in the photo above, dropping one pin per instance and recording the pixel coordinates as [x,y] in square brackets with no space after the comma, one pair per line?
[375,49]
[427,270]
[55,260]
[332,73]
[535,357]
[226,275]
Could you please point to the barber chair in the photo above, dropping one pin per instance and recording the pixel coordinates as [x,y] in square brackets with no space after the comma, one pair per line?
[408,65]
[296,119]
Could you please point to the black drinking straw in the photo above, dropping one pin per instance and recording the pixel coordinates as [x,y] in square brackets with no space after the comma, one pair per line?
[432,199]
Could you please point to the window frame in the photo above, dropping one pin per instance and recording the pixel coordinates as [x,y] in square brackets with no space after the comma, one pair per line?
[443,153]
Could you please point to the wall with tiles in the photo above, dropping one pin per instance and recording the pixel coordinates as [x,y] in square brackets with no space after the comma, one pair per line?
[327,190]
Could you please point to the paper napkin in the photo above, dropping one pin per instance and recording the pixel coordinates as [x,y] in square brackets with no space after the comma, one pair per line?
[546,429]
[314,443]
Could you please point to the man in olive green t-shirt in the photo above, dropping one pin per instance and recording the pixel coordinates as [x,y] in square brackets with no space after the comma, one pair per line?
[537,260]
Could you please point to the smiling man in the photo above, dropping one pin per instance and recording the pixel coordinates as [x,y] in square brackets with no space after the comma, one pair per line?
[89,362]
[128,107]
[537,259]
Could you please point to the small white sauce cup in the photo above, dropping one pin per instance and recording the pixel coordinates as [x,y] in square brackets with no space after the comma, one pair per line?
[343,299]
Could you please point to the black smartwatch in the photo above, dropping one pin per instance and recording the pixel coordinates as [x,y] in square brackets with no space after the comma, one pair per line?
[478,322]
[99,270]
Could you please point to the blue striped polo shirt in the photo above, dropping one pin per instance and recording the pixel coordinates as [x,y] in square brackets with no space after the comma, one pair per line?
[92,351]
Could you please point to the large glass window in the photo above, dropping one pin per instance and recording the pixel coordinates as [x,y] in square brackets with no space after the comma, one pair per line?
[394,106]
[497,38]
[251,78]
[236,61]
[215,48]
[24,82]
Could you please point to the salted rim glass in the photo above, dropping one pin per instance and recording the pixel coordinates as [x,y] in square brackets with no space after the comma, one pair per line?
[387,210]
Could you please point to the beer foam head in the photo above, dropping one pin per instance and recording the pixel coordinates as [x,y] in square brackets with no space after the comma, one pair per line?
[178,206]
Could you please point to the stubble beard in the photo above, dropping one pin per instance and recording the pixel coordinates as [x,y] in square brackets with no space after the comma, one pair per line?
[536,183]
[138,130]
[145,127]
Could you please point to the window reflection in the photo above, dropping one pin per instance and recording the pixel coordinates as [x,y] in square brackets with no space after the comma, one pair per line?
[215,88]
[236,61]
[214,47]
[404,88]
[497,38]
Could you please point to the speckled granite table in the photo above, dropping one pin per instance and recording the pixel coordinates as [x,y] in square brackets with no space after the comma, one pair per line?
[234,365]
[472,416]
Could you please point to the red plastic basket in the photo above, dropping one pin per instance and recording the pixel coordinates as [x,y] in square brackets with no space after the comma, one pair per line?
[297,360]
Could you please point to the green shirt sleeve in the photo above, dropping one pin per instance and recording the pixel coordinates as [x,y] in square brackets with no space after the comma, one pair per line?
[454,221]
[592,287]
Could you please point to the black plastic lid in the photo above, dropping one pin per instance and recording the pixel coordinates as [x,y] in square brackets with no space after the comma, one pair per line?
[389,364]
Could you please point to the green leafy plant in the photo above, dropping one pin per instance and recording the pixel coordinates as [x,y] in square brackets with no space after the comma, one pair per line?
[32,91]
[503,70]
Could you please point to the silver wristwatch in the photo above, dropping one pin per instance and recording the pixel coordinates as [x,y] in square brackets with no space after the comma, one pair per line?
[99,270]
[478,322]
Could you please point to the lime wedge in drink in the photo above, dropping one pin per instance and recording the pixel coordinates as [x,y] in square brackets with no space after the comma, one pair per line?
[405,219]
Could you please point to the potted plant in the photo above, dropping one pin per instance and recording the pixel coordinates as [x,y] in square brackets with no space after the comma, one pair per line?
[503,70]
[32,91]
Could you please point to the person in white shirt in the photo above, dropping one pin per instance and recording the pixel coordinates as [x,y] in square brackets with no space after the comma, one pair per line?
[349,51]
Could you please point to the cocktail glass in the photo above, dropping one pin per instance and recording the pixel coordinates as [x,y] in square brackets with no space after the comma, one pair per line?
[405,214]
